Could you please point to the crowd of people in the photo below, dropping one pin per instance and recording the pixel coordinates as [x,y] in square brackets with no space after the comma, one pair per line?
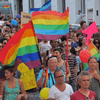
[65,83]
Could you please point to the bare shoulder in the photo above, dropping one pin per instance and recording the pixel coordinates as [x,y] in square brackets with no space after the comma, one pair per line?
[3,83]
[19,82]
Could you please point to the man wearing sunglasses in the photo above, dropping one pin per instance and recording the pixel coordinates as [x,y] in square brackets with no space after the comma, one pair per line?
[84,93]
[61,90]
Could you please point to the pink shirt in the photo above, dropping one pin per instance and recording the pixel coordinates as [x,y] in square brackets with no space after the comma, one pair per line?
[79,96]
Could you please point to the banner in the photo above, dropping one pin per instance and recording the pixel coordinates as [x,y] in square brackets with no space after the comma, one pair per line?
[27,76]
[25,18]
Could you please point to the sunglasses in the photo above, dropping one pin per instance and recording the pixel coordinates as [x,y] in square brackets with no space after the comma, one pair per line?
[59,76]
[5,42]
[96,42]
[69,45]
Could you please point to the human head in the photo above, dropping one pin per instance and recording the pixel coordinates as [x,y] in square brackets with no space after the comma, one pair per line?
[59,77]
[79,11]
[58,52]
[18,27]
[14,30]
[96,42]
[92,62]
[4,41]
[99,29]
[69,46]
[9,71]
[84,79]
[83,24]
[71,33]
[54,43]
[8,28]
[82,41]
[52,63]
[70,39]
[7,36]
[74,37]
[79,35]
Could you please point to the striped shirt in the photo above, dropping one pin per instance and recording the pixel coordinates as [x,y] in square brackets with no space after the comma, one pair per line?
[72,63]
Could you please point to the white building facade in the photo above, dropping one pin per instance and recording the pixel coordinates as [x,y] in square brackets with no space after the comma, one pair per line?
[91,8]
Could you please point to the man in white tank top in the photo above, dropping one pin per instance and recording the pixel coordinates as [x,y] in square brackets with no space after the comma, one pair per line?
[61,90]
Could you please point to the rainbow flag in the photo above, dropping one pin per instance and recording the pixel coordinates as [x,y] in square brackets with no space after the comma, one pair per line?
[50,25]
[45,7]
[94,52]
[22,47]
[6,7]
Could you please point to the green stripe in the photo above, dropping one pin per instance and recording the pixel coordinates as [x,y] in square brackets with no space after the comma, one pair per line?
[27,49]
[85,66]
[97,55]
[51,27]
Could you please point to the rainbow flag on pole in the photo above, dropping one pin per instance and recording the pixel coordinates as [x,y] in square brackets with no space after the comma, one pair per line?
[23,47]
[6,7]
[50,25]
[94,52]
[45,7]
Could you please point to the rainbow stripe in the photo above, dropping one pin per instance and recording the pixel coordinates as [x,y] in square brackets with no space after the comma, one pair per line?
[45,7]
[6,7]
[23,46]
[94,52]
[46,78]
[50,23]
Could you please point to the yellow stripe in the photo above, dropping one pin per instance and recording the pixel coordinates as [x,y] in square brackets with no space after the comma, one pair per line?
[50,22]
[13,57]
[27,41]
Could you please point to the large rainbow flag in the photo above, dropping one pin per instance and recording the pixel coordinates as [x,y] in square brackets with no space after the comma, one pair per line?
[45,7]
[50,25]
[22,47]
[94,52]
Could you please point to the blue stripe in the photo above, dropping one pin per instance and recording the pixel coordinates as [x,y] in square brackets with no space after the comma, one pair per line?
[87,69]
[98,59]
[52,32]
[28,57]
[45,7]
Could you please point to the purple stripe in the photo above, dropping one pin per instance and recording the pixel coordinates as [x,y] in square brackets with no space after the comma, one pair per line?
[33,64]
[48,37]
[47,8]
[17,63]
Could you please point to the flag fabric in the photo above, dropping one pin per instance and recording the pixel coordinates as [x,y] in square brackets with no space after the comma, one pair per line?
[22,46]
[45,7]
[90,31]
[6,7]
[94,52]
[50,25]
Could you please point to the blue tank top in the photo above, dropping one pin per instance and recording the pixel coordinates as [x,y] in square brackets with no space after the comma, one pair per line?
[11,94]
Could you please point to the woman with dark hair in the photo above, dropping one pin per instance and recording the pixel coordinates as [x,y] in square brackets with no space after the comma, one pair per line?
[82,43]
[96,43]
[95,74]
[61,64]
[11,86]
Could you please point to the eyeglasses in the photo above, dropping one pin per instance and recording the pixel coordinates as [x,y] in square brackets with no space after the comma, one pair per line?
[87,98]
[70,31]
[59,76]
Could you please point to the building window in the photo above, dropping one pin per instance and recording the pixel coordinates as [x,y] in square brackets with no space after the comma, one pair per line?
[63,5]
[83,6]
[5,0]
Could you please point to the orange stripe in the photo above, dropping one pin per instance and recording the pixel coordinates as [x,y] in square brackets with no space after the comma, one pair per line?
[53,17]
[28,33]
[12,49]
[90,47]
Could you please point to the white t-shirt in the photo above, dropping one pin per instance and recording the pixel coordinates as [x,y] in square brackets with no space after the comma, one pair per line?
[55,93]
[78,18]
[45,47]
